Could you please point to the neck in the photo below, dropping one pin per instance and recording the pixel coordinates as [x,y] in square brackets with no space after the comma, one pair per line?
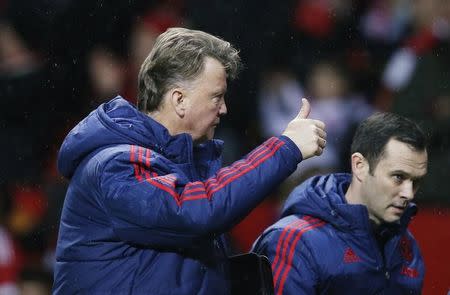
[354,196]
[166,120]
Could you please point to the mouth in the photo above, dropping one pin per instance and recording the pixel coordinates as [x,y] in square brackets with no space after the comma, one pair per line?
[398,208]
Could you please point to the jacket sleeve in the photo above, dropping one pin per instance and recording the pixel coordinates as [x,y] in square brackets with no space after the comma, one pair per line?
[294,268]
[165,210]
[414,267]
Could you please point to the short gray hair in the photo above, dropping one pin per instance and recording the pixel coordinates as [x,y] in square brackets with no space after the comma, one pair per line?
[178,56]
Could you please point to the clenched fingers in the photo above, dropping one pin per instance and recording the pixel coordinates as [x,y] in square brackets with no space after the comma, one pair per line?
[321,133]
[319,151]
[319,124]
[321,142]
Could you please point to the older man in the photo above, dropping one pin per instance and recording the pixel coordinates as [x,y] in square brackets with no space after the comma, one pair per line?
[147,202]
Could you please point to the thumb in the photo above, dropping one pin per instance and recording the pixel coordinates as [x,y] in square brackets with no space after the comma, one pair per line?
[305,110]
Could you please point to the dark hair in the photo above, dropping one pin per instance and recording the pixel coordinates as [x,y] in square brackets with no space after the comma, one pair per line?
[178,56]
[373,134]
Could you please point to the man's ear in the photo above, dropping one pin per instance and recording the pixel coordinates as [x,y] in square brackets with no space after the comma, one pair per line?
[178,101]
[360,166]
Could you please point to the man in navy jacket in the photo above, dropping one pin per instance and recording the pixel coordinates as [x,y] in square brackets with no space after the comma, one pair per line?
[148,201]
[347,234]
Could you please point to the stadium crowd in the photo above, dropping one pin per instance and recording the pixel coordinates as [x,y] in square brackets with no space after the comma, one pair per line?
[60,59]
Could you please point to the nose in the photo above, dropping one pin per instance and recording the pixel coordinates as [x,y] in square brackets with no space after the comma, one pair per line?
[408,190]
[223,109]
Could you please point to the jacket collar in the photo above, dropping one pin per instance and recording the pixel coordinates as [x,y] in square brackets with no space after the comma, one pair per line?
[145,131]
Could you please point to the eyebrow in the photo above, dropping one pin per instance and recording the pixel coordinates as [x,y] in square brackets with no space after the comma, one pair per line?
[408,175]
[219,92]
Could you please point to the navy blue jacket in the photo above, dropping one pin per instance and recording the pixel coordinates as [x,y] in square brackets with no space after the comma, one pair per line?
[322,245]
[145,211]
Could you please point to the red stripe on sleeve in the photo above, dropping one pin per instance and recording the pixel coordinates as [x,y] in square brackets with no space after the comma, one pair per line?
[281,239]
[235,168]
[212,185]
[148,171]
[137,175]
[291,254]
[140,154]
[283,244]
[165,188]
[280,242]
[165,180]
[254,165]
[216,183]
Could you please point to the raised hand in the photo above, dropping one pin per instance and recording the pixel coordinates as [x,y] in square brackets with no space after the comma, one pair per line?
[308,134]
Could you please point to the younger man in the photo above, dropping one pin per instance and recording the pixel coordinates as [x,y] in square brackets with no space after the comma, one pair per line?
[347,234]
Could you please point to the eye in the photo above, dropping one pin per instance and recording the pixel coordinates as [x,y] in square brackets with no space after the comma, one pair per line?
[398,178]
[218,99]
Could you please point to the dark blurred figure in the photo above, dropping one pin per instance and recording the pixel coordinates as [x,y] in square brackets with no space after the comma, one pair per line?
[416,84]
[335,100]
[26,125]
[10,256]
[35,282]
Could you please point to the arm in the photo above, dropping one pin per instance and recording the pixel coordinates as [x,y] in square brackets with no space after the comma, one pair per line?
[167,210]
[413,267]
[293,264]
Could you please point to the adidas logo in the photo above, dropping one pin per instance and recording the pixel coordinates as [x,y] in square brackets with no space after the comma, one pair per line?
[409,272]
[350,256]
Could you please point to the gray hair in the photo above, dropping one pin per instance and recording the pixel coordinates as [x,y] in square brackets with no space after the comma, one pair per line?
[178,56]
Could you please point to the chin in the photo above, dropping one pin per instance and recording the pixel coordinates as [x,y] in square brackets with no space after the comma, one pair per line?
[202,139]
[392,219]
[210,135]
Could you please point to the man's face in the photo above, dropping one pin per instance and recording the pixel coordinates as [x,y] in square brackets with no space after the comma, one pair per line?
[206,101]
[394,182]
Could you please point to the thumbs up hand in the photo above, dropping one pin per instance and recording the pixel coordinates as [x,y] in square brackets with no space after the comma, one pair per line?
[308,134]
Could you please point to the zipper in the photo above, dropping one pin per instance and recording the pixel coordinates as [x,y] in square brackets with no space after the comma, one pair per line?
[381,259]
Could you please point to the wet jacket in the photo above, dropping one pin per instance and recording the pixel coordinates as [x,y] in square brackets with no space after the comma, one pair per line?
[322,245]
[145,211]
